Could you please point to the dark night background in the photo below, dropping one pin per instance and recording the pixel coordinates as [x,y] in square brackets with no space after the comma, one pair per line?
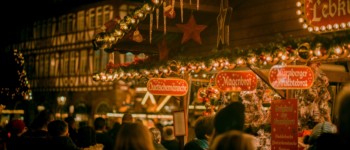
[16,14]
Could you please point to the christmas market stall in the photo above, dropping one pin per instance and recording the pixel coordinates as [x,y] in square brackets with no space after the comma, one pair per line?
[287,84]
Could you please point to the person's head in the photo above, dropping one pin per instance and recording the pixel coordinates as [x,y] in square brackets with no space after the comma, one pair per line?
[127,118]
[57,128]
[229,118]
[41,121]
[342,112]
[116,125]
[204,127]
[132,136]
[17,127]
[320,128]
[156,135]
[86,137]
[82,123]
[100,123]
[168,133]
[234,140]
[70,121]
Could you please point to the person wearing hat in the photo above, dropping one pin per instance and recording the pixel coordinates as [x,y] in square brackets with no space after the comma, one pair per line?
[340,139]
[16,128]
[319,129]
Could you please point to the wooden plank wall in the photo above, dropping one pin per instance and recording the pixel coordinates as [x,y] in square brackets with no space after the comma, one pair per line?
[259,21]
[254,22]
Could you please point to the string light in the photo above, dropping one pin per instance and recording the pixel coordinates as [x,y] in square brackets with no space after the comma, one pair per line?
[104,41]
[22,88]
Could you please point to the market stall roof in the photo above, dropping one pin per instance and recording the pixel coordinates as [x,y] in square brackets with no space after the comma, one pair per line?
[206,15]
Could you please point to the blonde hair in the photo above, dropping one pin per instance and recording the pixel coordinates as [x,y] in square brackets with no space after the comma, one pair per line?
[134,136]
[233,140]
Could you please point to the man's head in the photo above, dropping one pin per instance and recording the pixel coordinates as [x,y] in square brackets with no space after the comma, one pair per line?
[204,127]
[230,118]
[58,128]
[100,123]
[127,118]
[70,121]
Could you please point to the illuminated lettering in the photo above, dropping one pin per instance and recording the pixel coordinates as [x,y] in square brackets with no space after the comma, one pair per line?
[330,9]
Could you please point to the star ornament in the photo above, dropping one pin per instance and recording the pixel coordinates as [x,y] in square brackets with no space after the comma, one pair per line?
[221,26]
[191,31]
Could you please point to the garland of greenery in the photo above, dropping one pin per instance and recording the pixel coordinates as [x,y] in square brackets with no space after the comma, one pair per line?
[315,48]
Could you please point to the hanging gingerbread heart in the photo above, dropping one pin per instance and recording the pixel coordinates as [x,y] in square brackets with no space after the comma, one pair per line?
[137,37]
[169,12]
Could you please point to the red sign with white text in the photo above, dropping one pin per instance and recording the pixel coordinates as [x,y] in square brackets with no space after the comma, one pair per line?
[291,77]
[166,86]
[236,81]
[284,124]
[327,12]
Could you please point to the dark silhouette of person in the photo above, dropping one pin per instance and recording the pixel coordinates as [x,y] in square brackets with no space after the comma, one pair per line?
[59,136]
[72,128]
[203,129]
[37,135]
[341,139]
[102,136]
[229,118]
[113,132]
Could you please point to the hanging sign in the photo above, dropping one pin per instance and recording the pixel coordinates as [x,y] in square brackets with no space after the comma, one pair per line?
[284,124]
[325,15]
[236,81]
[167,86]
[291,77]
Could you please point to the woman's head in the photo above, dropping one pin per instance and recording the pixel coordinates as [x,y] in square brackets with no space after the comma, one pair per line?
[132,136]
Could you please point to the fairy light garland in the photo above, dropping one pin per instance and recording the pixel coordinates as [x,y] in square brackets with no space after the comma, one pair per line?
[283,53]
[178,67]
[321,16]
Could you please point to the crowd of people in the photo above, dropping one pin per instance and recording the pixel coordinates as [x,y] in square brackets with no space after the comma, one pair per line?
[221,131]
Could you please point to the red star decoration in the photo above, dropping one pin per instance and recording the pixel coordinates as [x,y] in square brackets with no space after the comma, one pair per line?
[191,31]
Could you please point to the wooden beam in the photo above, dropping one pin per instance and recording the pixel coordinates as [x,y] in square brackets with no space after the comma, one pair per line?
[202,7]
[336,76]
